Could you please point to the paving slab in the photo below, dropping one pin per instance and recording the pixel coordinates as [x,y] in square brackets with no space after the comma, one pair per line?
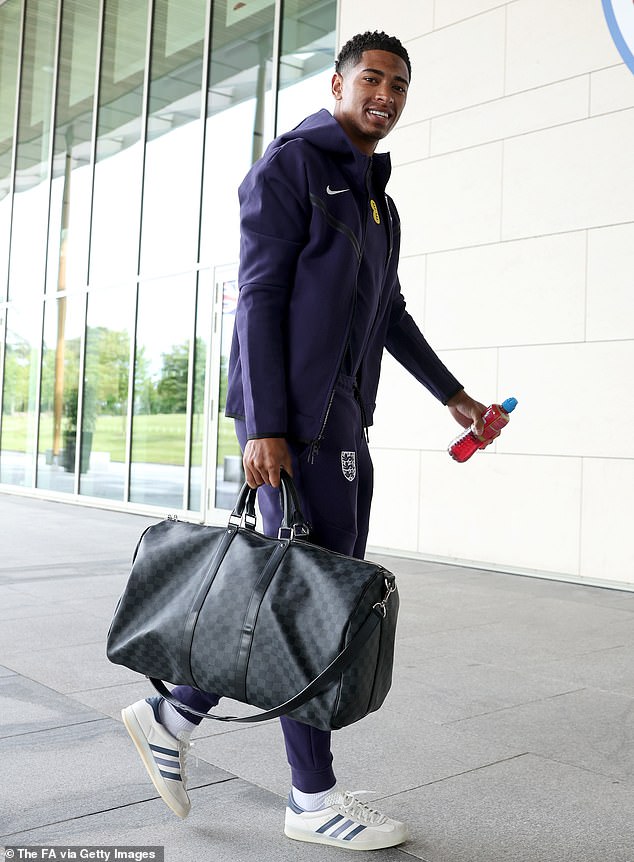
[230,821]
[27,707]
[73,771]
[71,668]
[605,670]
[509,584]
[507,733]
[15,604]
[386,752]
[110,700]
[65,588]
[57,628]
[522,644]
[590,729]
[528,809]
[449,688]
[71,532]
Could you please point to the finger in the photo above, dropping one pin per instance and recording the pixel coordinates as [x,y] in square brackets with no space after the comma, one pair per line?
[250,478]
[273,477]
[251,474]
[478,425]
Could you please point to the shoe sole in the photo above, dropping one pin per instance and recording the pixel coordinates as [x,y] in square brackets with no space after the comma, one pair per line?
[139,739]
[313,838]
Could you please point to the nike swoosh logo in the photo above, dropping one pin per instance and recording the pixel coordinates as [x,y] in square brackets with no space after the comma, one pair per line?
[335,191]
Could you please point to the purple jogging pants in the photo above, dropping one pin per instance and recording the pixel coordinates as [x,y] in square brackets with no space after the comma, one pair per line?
[335,493]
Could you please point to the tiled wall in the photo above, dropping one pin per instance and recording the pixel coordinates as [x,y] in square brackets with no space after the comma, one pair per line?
[514,177]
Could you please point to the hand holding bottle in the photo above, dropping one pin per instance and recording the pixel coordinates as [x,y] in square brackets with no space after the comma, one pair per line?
[495,418]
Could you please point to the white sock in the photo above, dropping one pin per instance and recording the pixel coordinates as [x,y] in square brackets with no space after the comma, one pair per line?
[173,721]
[311,801]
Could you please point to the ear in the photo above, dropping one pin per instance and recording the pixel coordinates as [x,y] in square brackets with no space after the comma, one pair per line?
[337,86]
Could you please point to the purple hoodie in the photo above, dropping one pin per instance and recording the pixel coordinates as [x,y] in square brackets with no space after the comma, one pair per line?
[302,242]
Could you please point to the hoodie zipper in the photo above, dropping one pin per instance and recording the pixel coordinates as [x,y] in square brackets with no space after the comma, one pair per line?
[316,442]
[357,388]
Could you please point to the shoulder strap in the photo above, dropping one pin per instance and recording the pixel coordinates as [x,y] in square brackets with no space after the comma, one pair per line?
[325,678]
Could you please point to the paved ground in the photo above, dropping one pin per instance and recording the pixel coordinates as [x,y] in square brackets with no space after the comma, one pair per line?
[508,734]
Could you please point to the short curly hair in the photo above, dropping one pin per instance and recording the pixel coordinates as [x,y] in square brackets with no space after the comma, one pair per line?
[352,51]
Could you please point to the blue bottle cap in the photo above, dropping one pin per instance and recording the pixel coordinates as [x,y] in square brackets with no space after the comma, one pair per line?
[509,405]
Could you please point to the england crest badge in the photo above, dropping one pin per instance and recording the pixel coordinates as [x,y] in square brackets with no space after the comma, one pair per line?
[349,465]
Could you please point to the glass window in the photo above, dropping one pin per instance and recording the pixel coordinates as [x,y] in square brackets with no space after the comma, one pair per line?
[10,14]
[30,205]
[19,398]
[114,250]
[239,119]
[306,61]
[173,152]
[204,313]
[106,376]
[165,326]
[229,470]
[59,395]
[71,186]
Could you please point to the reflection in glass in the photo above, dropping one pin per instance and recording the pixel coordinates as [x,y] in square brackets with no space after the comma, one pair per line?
[59,394]
[19,398]
[173,152]
[69,217]
[239,119]
[306,61]
[117,187]
[30,206]
[106,376]
[9,44]
[161,378]
[229,470]
[201,355]
[58,231]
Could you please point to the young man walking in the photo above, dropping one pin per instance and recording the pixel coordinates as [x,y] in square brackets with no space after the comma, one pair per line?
[319,302]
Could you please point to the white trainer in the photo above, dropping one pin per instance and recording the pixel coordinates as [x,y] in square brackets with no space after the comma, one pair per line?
[163,755]
[344,822]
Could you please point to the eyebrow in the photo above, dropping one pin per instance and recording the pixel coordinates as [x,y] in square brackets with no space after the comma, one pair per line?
[380,72]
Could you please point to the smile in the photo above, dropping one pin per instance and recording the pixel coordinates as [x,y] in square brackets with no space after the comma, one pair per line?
[383,114]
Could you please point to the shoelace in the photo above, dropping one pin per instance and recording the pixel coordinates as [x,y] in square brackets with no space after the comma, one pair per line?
[352,807]
[184,746]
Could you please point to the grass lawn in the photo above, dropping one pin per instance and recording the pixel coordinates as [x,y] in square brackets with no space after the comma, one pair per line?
[157,439]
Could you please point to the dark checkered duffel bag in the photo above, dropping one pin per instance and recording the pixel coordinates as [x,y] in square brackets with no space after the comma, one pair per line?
[277,623]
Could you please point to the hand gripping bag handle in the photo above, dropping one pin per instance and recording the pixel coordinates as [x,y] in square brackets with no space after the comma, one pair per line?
[293,521]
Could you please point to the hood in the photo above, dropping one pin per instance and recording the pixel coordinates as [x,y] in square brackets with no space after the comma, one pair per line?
[324,132]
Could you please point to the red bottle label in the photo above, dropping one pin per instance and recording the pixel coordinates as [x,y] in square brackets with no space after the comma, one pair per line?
[463,447]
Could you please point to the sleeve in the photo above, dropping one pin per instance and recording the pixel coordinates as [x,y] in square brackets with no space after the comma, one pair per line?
[408,346]
[274,219]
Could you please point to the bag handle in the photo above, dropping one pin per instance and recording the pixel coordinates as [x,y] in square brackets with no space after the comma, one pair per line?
[325,678]
[293,522]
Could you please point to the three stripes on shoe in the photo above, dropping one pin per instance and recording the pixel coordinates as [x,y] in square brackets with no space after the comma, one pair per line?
[161,756]
[333,830]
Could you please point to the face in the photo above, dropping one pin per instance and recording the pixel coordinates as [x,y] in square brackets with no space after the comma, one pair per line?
[370,98]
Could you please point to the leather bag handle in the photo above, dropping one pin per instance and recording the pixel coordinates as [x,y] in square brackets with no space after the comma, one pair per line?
[293,522]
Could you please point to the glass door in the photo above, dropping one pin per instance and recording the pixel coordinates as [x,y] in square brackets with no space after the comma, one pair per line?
[225,472]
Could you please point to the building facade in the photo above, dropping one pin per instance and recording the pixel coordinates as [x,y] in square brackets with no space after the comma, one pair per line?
[125,130]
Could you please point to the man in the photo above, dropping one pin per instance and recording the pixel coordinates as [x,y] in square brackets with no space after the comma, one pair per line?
[319,302]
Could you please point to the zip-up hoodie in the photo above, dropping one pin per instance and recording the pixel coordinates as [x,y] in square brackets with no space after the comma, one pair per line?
[302,241]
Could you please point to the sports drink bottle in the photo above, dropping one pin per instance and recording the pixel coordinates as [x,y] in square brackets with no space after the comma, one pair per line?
[495,418]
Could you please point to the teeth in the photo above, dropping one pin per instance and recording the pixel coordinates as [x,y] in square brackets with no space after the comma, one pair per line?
[379,113]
